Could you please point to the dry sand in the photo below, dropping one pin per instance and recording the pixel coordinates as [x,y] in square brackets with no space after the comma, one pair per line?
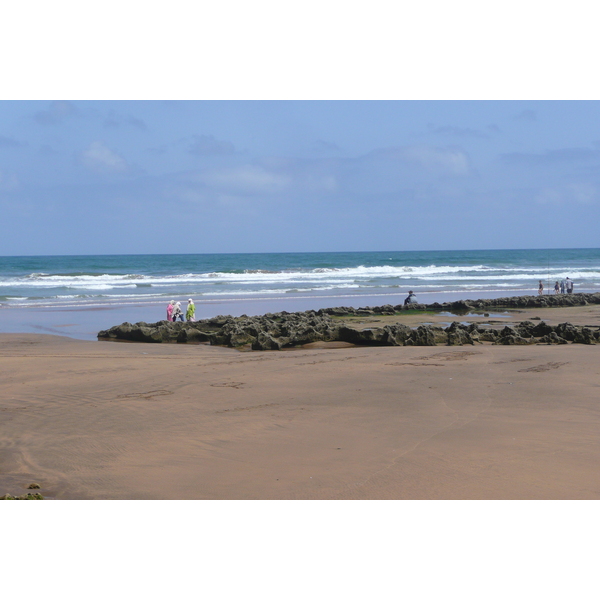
[105,420]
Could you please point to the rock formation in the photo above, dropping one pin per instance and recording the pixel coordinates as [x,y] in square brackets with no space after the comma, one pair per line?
[274,331]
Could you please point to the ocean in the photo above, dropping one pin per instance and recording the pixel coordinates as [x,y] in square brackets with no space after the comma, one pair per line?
[140,286]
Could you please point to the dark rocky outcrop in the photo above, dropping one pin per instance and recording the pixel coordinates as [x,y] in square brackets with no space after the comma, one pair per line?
[423,336]
[552,338]
[28,496]
[284,330]
[270,331]
[397,334]
[376,336]
[274,331]
[510,336]
[461,307]
[459,335]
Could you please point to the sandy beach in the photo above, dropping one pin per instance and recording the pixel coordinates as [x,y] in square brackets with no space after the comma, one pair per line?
[108,420]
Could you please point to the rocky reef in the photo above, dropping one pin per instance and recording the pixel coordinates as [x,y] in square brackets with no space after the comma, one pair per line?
[274,331]
[27,496]
[465,306]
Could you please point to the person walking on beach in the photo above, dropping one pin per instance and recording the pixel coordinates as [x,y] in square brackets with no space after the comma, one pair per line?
[170,308]
[541,288]
[190,313]
[569,286]
[177,312]
[556,288]
[562,286]
[410,299]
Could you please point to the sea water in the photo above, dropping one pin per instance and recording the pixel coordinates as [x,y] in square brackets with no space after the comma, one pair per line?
[86,280]
[255,283]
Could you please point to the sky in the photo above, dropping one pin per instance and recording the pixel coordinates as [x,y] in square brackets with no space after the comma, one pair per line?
[116,177]
[237,127]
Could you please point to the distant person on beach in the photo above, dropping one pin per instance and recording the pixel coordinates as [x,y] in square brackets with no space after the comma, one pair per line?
[562,286]
[190,313]
[410,299]
[540,288]
[556,288]
[177,312]
[170,308]
[569,286]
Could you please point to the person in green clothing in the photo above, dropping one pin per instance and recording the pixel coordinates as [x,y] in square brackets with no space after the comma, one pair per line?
[190,313]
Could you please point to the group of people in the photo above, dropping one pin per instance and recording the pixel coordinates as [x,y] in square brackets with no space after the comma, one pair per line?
[559,288]
[175,312]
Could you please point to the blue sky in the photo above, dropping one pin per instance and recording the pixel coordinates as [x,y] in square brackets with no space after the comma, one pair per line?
[87,177]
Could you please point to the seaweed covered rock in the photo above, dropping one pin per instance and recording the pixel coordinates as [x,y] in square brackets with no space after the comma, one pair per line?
[287,328]
[396,335]
[265,341]
[274,331]
[439,333]
[509,336]
[552,338]
[488,335]
[194,336]
[542,328]
[163,331]
[584,335]
[525,329]
[458,334]
[376,336]
[460,307]
[28,496]
[338,311]
[566,331]
[423,336]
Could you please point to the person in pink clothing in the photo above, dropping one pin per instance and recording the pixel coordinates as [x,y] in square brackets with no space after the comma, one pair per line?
[170,308]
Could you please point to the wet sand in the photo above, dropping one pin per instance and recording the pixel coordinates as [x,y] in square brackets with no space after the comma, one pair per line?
[103,420]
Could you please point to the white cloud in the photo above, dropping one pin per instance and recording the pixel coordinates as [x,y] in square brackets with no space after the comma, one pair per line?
[450,160]
[581,193]
[246,179]
[439,161]
[99,158]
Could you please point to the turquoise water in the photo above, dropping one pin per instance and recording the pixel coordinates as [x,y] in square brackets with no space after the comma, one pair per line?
[86,281]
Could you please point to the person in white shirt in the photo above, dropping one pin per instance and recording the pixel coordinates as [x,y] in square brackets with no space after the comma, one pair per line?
[569,286]
[177,312]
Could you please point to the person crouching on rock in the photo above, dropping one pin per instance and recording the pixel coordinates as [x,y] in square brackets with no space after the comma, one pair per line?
[410,299]
[170,308]
[177,312]
[190,313]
